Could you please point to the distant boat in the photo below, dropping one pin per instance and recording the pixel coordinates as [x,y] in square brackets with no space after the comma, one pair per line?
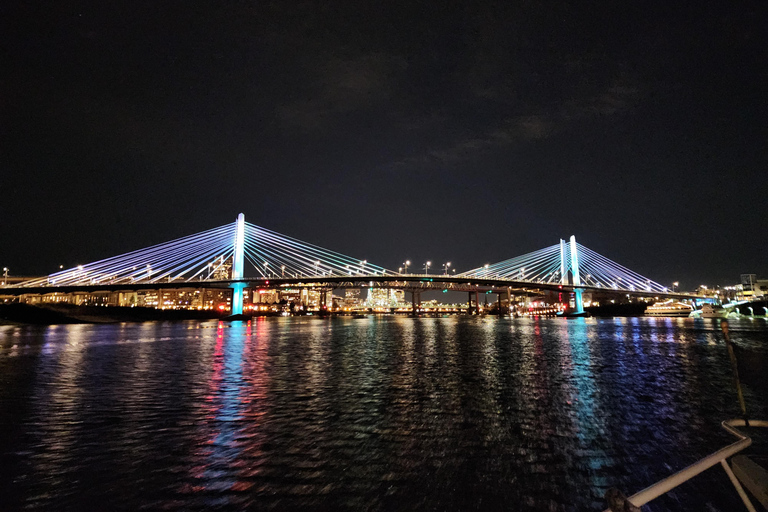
[669,308]
[710,311]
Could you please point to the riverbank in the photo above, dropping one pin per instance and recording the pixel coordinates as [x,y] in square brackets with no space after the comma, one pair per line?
[69,314]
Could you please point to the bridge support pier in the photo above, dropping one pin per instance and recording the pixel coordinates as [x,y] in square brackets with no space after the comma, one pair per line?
[477,302]
[237,298]
[509,301]
[415,302]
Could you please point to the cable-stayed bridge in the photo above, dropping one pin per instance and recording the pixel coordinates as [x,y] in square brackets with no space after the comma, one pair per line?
[242,255]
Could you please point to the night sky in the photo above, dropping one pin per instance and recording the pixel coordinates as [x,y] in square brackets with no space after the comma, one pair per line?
[390,130]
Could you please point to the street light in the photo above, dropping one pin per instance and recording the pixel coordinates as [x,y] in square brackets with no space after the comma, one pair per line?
[675,285]
[446,267]
[5,275]
[426,267]
[407,262]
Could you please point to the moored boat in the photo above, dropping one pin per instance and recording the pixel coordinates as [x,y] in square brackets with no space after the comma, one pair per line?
[669,308]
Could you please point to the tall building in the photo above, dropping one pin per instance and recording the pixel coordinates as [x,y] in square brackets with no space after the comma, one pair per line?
[385,297]
[220,268]
[352,298]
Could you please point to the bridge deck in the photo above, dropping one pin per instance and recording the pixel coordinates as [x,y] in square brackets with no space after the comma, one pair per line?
[423,282]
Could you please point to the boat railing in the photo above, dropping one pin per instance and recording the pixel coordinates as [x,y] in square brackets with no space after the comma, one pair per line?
[617,502]
[664,486]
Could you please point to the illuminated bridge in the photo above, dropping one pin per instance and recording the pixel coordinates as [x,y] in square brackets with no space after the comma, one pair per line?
[221,258]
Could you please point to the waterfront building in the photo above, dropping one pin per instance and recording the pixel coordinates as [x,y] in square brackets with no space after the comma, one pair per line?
[385,297]
[352,298]
[262,296]
[752,287]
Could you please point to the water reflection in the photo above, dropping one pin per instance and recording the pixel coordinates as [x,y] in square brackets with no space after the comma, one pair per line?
[377,413]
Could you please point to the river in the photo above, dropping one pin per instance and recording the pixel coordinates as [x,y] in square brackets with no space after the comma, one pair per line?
[381,413]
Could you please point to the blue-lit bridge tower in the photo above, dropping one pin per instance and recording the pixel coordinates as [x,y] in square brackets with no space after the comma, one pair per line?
[237,266]
[575,276]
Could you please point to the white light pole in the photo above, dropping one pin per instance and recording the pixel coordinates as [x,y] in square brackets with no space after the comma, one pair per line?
[426,267]
[5,275]
[446,267]
[407,262]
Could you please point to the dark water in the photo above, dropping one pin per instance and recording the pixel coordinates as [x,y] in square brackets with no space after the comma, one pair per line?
[368,414]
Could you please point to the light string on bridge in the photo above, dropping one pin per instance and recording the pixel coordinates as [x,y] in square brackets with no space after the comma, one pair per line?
[185,258]
[208,255]
[598,271]
[542,266]
[549,265]
[276,255]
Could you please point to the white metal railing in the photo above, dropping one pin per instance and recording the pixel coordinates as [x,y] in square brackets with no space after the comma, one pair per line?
[635,501]
[664,486]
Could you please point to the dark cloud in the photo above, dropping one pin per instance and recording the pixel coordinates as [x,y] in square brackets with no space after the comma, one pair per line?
[337,87]
[540,123]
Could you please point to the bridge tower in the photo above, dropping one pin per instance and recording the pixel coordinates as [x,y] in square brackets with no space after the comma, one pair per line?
[563,275]
[237,266]
[576,277]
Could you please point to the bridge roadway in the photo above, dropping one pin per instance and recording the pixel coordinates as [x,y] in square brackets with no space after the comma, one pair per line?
[409,282]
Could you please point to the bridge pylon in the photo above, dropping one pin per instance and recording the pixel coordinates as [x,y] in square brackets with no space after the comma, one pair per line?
[576,278]
[237,266]
[563,266]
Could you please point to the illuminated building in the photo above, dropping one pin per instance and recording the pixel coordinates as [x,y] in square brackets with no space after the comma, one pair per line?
[385,297]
